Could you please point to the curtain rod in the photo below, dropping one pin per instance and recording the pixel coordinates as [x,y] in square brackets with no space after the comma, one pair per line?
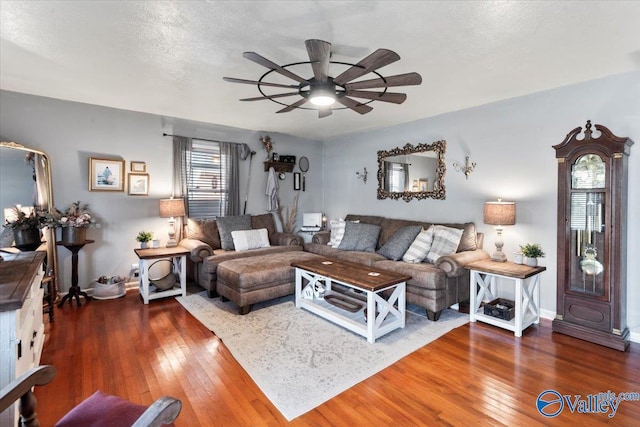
[204,139]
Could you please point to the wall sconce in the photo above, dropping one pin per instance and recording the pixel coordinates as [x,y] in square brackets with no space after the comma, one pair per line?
[363,175]
[466,169]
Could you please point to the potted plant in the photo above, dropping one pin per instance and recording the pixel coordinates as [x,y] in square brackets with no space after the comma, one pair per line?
[531,252]
[26,224]
[144,237]
[73,221]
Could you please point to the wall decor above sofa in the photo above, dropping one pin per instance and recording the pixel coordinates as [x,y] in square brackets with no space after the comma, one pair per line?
[412,172]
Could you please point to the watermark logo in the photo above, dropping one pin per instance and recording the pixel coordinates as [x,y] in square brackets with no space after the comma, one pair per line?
[551,403]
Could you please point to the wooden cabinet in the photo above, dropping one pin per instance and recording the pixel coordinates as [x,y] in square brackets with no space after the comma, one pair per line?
[592,219]
[21,323]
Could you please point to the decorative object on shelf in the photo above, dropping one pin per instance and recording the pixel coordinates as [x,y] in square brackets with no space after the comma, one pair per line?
[73,221]
[324,91]
[288,216]
[531,253]
[106,174]
[167,281]
[296,181]
[304,167]
[268,145]
[499,214]
[275,157]
[25,223]
[144,237]
[307,292]
[363,175]
[139,167]
[171,208]
[593,174]
[288,159]
[466,169]
[138,184]
[518,258]
[423,160]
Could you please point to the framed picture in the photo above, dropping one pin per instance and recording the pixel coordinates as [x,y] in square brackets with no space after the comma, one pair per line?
[296,180]
[424,184]
[106,174]
[139,167]
[138,184]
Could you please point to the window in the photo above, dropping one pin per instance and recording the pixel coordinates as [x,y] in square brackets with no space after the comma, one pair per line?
[207,172]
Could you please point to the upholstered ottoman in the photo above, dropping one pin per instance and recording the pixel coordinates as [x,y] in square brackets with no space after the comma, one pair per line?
[247,281]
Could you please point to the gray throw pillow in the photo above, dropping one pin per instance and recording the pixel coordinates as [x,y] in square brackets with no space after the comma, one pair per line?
[398,244]
[359,237]
[227,224]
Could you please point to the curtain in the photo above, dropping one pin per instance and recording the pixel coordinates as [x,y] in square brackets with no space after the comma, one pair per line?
[181,150]
[231,155]
[405,170]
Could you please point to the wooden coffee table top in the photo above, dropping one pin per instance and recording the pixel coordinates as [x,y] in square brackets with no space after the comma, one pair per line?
[354,274]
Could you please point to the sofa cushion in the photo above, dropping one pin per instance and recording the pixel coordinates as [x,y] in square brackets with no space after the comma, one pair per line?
[390,226]
[210,264]
[420,247]
[227,224]
[358,257]
[445,242]
[398,244]
[264,221]
[423,275]
[359,237]
[250,239]
[337,232]
[205,230]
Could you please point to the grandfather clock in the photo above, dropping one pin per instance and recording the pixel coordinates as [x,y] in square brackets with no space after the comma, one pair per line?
[592,227]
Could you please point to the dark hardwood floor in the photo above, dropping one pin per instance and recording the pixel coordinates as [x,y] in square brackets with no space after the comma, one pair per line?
[475,375]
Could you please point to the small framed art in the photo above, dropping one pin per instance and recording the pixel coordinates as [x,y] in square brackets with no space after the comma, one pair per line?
[139,167]
[138,184]
[106,174]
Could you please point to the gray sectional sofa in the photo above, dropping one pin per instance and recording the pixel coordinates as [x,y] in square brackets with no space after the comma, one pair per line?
[204,243]
[433,287]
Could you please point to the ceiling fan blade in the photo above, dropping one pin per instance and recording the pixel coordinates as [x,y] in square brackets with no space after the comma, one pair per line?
[324,112]
[255,82]
[252,56]
[396,98]
[279,95]
[409,79]
[354,105]
[377,59]
[293,106]
[319,53]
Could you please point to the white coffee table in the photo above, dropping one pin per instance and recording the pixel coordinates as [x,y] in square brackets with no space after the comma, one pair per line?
[371,282]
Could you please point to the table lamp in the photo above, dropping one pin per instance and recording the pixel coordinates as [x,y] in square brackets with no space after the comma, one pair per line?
[171,208]
[499,214]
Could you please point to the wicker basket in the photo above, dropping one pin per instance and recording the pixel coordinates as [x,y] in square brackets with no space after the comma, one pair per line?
[115,288]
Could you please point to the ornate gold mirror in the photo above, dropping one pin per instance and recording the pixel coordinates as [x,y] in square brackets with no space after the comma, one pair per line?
[412,172]
[25,179]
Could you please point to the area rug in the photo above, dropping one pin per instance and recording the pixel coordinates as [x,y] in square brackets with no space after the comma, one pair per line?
[300,360]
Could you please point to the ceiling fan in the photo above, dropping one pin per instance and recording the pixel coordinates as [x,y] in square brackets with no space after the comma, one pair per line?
[323,91]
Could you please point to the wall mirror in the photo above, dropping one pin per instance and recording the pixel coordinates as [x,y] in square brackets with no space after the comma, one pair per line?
[25,179]
[412,172]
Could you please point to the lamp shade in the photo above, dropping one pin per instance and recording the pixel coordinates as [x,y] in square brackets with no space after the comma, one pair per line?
[171,208]
[500,213]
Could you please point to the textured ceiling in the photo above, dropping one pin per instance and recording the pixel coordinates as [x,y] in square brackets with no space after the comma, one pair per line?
[169,58]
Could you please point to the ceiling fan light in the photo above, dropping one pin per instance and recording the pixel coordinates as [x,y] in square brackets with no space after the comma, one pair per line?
[322,100]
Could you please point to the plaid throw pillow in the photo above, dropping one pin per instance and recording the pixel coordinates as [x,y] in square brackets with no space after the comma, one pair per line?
[420,247]
[445,242]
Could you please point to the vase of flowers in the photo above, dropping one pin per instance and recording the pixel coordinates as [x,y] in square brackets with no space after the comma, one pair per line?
[26,224]
[144,237]
[531,252]
[73,221]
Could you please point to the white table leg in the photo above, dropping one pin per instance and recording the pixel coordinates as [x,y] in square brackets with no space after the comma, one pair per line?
[143,271]
[371,316]
[183,273]
[519,311]
[298,286]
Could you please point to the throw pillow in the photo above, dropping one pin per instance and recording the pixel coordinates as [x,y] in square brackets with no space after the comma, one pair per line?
[205,230]
[250,239]
[445,242]
[227,224]
[420,247]
[398,244]
[337,231]
[359,237]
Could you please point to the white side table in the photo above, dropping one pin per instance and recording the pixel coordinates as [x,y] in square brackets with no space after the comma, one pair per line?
[178,256]
[527,288]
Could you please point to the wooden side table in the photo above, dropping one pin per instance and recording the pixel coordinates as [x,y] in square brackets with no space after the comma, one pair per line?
[75,290]
[178,256]
[527,287]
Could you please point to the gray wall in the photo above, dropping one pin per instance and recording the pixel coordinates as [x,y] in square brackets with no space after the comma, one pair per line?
[511,143]
[72,132]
